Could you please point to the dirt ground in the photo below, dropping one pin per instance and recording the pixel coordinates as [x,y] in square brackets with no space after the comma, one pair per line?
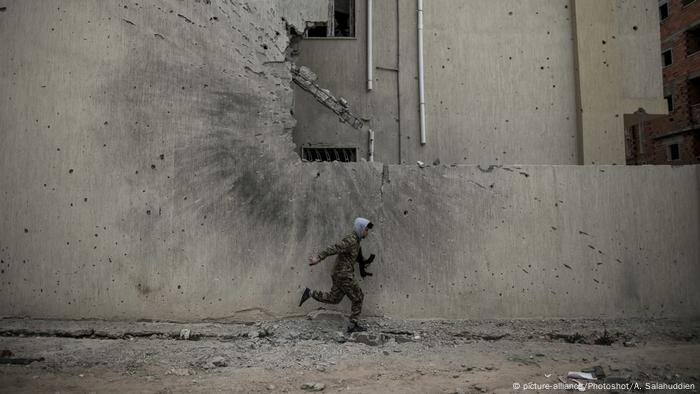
[304,355]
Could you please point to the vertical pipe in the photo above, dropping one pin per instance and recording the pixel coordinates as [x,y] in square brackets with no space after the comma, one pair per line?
[421,74]
[370,60]
[371,145]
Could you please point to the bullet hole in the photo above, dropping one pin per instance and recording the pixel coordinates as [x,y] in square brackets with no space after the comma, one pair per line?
[178,287]
[148,212]
[153,166]
[85,199]
[58,149]
[635,28]
[106,123]
[604,42]
[542,68]
[405,212]
[70,171]
[3,9]
[162,156]
[510,12]
[26,230]
[137,172]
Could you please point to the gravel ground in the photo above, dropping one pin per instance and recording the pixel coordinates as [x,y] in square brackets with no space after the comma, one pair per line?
[315,354]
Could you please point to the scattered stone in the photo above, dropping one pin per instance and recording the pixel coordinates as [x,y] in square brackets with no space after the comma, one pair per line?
[313,386]
[185,333]
[630,343]
[271,387]
[323,314]
[340,337]
[215,362]
[369,339]
[178,372]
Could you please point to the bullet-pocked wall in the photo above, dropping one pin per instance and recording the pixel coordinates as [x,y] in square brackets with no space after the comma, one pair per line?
[506,81]
[147,171]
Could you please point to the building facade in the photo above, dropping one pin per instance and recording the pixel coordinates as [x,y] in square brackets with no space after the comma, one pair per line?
[504,82]
[674,139]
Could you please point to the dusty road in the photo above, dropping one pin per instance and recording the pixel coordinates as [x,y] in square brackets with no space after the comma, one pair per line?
[304,355]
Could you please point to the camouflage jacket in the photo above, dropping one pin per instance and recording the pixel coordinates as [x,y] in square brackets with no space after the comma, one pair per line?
[346,249]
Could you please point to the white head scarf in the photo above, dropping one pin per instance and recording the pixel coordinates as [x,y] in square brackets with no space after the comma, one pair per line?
[359,226]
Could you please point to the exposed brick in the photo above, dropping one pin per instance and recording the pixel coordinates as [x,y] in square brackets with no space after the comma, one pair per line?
[682,125]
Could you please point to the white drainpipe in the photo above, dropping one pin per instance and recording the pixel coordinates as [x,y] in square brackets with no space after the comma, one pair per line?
[371,145]
[421,76]
[370,61]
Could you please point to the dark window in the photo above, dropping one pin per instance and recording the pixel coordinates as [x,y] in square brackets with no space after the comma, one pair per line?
[693,40]
[694,91]
[329,154]
[669,101]
[667,57]
[686,2]
[674,152]
[341,23]
[317,29]
[663,11]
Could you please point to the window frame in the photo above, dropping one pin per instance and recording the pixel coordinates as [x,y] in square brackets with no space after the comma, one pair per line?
[670,151]
[330,23]
[663,57]
[668,11]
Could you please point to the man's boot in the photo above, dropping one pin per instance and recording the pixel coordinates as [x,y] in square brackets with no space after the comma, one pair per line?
[305,296]
[355,327]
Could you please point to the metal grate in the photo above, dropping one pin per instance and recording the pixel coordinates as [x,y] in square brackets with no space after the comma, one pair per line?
[345,155]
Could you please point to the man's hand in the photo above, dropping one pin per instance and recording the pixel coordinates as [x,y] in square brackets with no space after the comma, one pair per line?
[313,260]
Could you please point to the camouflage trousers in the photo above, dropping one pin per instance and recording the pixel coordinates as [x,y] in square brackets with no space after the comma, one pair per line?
[342,286]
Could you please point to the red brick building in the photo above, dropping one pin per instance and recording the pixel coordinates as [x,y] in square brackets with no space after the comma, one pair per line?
[674,139]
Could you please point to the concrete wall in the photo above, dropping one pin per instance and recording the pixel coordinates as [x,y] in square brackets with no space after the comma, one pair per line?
[148,172]
[506,82]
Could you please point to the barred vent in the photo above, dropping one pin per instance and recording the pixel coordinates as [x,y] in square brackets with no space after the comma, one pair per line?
[330,154]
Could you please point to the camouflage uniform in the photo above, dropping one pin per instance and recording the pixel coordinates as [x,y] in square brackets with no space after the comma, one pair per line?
[343,275]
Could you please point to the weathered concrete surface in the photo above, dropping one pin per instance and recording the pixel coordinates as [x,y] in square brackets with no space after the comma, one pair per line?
[148,172]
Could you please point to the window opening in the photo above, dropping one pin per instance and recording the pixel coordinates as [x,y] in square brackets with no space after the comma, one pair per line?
[674,152]
[693,40]
[667,58]
[669,101]
[663,11]
[341,21]
[345,155]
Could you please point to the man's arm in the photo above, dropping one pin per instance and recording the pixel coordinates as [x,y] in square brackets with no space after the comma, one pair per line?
[336,248]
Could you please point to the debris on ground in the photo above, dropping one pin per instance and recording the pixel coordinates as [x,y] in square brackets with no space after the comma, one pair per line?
[313,386]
